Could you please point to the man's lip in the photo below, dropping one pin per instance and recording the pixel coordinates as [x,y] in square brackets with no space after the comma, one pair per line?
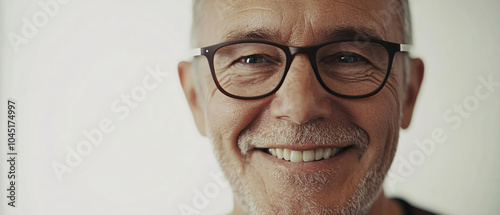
[299,147]
[343,159]
[304,156]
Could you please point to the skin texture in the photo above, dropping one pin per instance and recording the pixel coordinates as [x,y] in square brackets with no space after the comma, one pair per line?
[301,112]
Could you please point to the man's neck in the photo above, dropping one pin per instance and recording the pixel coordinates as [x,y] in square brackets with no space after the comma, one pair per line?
[237,210]
[382,205]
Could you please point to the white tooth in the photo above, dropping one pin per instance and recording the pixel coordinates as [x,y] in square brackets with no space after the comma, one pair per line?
[319,153]
[308,155]
[327,152]
[286,154]
[279,153]
[296,156]
[273,152]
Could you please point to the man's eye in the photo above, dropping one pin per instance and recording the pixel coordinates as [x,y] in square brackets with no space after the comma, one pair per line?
[344,59]
[349,58]
[252,59]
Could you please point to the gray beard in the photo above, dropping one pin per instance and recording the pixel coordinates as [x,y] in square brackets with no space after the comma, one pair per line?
[360,203]
[367,191]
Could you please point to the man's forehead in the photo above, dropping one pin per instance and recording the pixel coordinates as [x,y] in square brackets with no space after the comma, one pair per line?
[333,33]
[235,6]
[295,21]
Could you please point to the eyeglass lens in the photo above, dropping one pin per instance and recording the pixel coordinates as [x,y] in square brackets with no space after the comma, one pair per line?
[347,68]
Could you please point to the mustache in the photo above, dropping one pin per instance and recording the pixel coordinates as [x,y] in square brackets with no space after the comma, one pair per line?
[315,132]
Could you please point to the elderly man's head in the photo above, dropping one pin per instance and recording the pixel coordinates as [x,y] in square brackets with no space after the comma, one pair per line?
[303,100]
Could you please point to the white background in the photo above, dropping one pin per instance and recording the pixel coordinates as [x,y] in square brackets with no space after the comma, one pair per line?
[90,53]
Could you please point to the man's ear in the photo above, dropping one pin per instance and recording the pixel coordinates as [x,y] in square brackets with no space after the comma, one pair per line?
[416,76]
[188,85]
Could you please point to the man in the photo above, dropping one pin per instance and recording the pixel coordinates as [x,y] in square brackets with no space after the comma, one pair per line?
[303,100]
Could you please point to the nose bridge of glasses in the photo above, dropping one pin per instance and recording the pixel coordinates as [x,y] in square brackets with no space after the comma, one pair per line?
[309,51]
[305,63]
[301,98]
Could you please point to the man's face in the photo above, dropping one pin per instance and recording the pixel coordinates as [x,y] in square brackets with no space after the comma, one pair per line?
[301,115]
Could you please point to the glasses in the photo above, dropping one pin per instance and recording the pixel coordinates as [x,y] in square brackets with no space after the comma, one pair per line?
[252,69]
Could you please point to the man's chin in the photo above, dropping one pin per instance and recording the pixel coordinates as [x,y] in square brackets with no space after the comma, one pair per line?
[296,203]
[326,186]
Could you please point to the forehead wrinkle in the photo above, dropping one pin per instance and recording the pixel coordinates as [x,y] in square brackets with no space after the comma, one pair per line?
[345,27]
[254,8]
[219,17]
[376,26]
[231,29]
[308,18]
[233,11]
[230,17]
[233,8]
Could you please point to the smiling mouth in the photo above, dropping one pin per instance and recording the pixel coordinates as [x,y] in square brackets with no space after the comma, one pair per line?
[304,156]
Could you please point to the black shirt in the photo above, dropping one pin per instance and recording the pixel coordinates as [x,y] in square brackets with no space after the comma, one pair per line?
[411,210]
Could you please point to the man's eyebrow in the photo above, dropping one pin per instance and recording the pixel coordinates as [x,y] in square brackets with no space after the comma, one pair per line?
[254,34]
[336,33]
[348,32]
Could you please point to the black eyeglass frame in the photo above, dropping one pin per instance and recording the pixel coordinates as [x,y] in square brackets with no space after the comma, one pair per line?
[310,51]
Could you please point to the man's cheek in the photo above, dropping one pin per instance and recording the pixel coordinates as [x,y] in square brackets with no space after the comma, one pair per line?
[218,118]
[227,117]
[376,115]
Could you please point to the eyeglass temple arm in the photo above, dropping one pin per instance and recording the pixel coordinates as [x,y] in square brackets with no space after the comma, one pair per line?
[405,47]
[195,52]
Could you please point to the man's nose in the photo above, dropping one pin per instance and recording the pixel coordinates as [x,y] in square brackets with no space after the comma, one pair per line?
[301,98]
